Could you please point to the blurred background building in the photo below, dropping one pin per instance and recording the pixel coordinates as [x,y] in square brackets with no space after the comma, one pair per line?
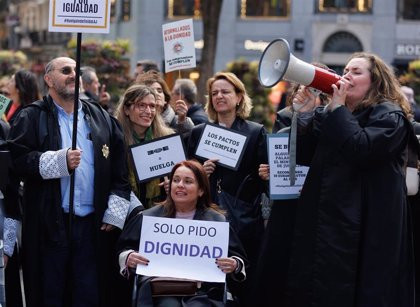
[318,30]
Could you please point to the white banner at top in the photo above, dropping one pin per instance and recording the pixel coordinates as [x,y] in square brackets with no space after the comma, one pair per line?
[83,16]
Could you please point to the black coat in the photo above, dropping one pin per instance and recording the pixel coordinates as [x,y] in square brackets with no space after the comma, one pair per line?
[197,114]
[352,244]
[273,261]
[130,239]
[255,153]
[36,131]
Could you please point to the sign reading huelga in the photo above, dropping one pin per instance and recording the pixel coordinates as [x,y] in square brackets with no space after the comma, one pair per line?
[224,144]
[156,158]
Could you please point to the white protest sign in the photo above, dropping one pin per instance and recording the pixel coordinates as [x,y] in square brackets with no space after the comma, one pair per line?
[83,16]
[278,157]
[4,102]
[221,143]
[156,158]
[183,248]
[178,45]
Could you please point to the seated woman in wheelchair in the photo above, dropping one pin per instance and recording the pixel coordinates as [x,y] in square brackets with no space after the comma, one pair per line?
[188,198]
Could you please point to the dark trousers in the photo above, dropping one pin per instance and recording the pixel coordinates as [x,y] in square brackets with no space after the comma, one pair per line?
[71,282]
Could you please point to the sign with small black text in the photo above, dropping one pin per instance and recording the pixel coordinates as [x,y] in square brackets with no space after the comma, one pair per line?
[227,145]
[156,158]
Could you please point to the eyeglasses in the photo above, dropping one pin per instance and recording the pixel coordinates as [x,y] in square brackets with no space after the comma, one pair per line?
[142,107]
[66,70]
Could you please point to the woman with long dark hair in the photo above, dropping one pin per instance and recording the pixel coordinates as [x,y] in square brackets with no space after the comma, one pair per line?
[188,198]
[23,90]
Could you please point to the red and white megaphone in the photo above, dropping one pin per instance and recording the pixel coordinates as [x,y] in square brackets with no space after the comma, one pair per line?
[277,63]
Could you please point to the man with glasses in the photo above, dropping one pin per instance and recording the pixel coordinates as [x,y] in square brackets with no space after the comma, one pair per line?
[57,263]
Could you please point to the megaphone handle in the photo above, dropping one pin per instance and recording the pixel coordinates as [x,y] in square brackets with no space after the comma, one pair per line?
[292,149]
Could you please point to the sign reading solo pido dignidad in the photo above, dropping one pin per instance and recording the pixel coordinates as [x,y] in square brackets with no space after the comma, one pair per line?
[83,16]
[183,248]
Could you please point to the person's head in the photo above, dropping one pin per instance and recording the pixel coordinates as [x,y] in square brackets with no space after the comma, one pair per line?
[23,87]
[90,80]
[189,188]
[60,76]
[186,90]
[4,86]
[227,94]
[136,112]
[371,81]
[145,66]
[322,98]
[155,81]
[408,93]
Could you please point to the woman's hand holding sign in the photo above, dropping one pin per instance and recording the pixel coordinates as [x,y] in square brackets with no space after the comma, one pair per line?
[134,259]
[210,166]
[227,265]
[264,171]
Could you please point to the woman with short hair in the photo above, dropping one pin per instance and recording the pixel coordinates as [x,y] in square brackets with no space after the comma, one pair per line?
[236,191]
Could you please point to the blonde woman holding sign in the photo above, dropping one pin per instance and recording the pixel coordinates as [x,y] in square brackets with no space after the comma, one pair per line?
[141,122]
[188,198]
[236,191]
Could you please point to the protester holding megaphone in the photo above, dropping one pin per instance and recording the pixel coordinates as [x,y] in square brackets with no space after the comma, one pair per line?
[352,241]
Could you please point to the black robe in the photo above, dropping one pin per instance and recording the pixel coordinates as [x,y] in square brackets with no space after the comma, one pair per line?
[273,261]
[130,239]
[352,244]
[36,131]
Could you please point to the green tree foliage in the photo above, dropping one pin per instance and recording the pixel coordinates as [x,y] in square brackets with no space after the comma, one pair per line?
[109,60]
[11,62]
[412,78]
[262,111]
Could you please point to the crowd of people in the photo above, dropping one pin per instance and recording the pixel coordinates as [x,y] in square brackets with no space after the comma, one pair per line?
[346,241]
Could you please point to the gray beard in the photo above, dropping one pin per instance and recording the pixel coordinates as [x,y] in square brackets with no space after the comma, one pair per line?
[64,93]
[66,96]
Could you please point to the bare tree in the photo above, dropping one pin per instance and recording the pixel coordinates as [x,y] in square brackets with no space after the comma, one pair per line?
[210,14]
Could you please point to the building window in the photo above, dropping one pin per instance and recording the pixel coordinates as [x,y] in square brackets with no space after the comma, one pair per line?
[264,8]
[184,8]
[342,42]
[345,6]
[125,10]
[113,10]
[410,9]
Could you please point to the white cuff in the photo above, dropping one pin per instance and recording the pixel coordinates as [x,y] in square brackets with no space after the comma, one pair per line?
[10,230]
[53,164]
[241,275]
[117,211]
[134,203]
[122,260]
